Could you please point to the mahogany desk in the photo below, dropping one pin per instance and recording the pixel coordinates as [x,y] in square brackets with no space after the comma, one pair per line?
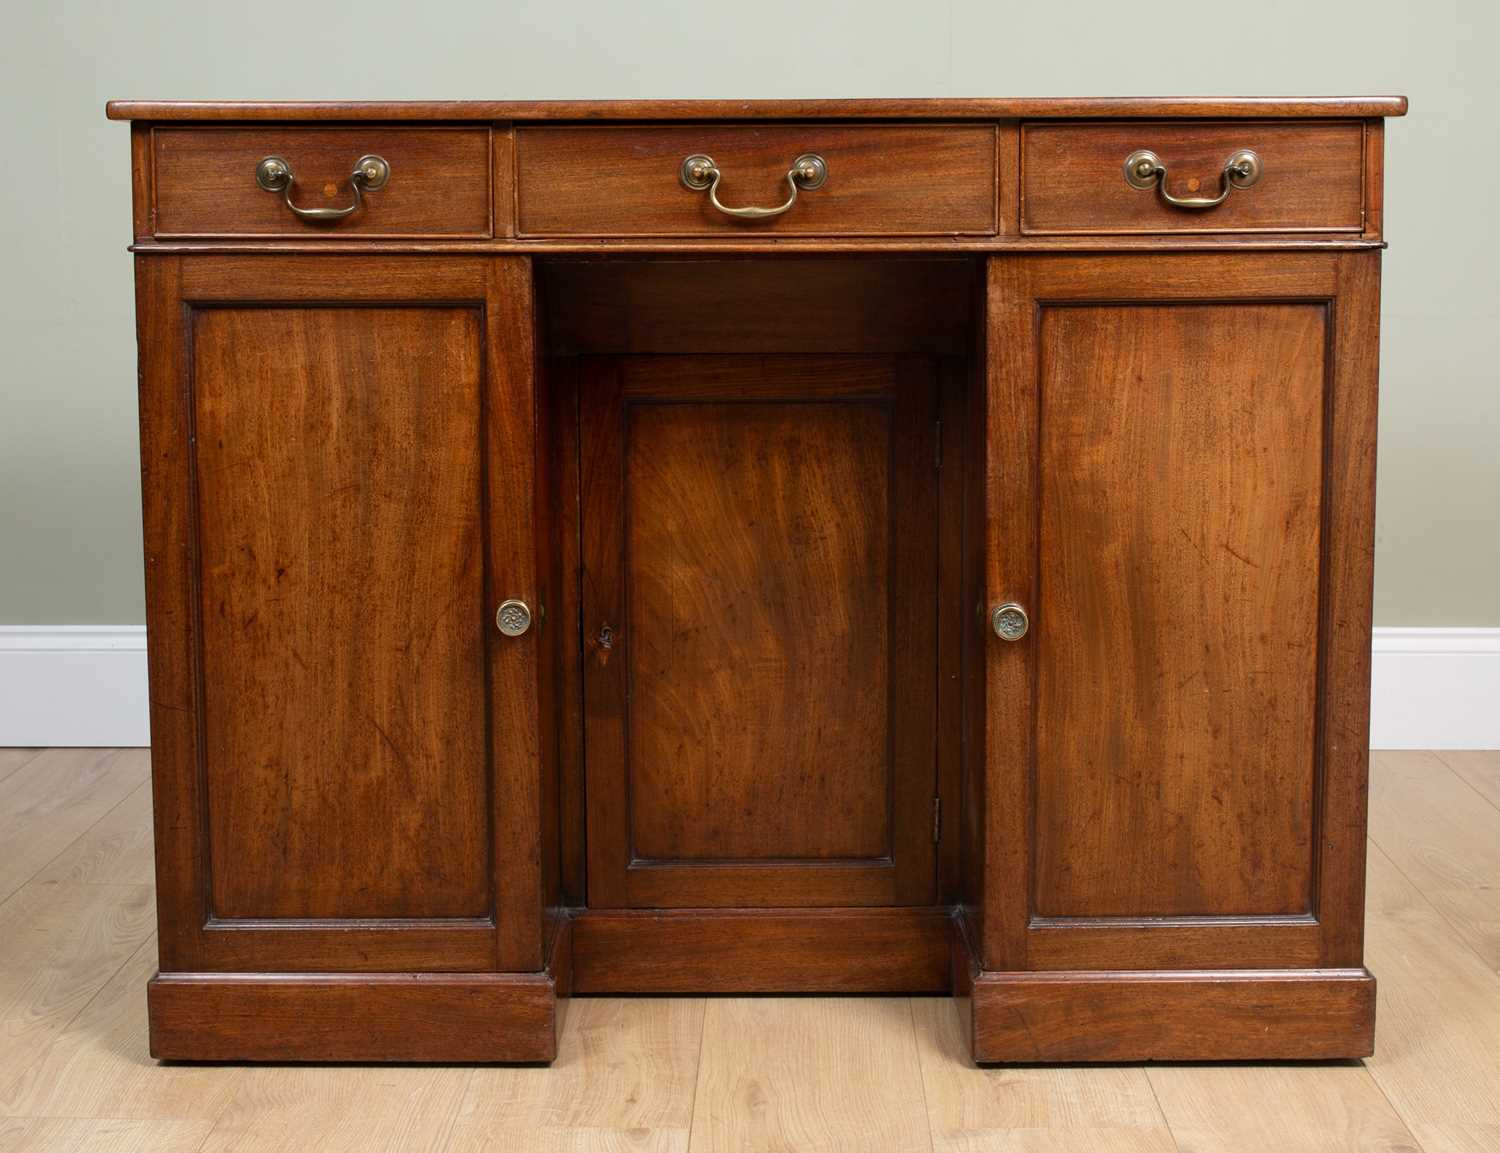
[845,546]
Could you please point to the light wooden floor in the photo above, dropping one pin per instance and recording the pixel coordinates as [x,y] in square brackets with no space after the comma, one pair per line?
[795,1075]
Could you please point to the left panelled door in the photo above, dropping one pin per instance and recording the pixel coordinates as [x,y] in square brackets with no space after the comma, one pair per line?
[338,485]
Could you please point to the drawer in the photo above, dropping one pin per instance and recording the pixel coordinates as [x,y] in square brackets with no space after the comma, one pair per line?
[1311,177]
[882,180]
[205,184]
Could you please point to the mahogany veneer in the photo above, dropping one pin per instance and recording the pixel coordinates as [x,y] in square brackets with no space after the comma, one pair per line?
[758,484]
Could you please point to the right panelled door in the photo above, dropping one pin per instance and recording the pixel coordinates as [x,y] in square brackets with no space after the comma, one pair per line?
[1179,492]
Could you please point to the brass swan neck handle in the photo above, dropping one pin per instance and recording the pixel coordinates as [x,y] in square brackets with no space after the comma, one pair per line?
[1144,170]
[808,172]
[371,173]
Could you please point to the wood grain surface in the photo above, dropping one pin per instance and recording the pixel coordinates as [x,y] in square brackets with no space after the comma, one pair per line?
[1312,178]
[754,535]
[1178,608]
[455,331]
[338,478]
[604,181]
[204,181]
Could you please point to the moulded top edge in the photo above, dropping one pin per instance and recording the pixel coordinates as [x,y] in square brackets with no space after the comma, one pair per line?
[1022,108]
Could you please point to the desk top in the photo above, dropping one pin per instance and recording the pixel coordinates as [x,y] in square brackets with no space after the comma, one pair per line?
[996,108]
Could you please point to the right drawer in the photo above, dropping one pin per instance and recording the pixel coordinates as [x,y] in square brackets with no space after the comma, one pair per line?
[1311,177]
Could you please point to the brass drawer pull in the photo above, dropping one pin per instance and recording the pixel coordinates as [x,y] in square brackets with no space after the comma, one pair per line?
[371,173]
[1144,169]
[808,171]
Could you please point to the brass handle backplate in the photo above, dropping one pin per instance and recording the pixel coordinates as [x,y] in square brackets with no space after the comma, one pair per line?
[1145,170]
[808,171]
[371,173]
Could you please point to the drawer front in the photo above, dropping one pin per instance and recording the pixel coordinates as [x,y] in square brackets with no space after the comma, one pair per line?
[1311,178]
[882,180]
[439,183]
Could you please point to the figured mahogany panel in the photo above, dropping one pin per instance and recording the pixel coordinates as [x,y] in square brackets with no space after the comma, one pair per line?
[760,555]
[342,600]
[883,180]
[1072,177]
[745,594]
[439,183]
[1180,476]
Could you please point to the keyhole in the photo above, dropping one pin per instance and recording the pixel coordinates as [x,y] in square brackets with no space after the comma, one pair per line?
[606,637]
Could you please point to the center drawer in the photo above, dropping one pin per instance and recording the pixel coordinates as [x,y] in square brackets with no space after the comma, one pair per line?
[881,180]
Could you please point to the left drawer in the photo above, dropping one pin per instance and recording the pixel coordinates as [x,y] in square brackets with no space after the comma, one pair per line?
[439,183]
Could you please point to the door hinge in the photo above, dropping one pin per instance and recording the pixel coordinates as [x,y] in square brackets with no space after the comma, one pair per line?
[937,451]
[937,819]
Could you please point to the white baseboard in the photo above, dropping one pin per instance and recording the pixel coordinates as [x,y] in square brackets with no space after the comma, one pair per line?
[73,685]
[1435,689]
[86,685]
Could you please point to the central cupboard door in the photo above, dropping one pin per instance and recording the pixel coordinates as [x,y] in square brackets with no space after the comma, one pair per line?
[759,611]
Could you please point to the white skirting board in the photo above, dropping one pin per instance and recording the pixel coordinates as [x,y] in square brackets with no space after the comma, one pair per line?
[73,685]
[86,685]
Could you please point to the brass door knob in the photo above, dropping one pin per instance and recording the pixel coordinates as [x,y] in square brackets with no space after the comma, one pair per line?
[513,617]
[1009,621]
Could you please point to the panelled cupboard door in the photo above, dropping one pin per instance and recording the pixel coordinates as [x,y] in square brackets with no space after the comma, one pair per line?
[1180,494]
[338,495]
[759,548]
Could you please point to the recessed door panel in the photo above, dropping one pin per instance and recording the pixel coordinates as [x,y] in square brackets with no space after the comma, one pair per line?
[343,608]
[1180,483]
[759,549]
[745,599]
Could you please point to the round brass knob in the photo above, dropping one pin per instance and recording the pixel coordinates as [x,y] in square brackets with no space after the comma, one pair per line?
[513,618]
[1009,621]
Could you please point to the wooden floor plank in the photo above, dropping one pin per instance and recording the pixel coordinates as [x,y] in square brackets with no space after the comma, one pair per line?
[1033,1109]
[54,798]
[1445,838]
[12,759]
[116,850]
[624,1078]
[1479,767]
[59,945]
[1437,1038]
[1334,1108]
[811,1074]
[99,1066]
[109,1135]
[340,1109]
